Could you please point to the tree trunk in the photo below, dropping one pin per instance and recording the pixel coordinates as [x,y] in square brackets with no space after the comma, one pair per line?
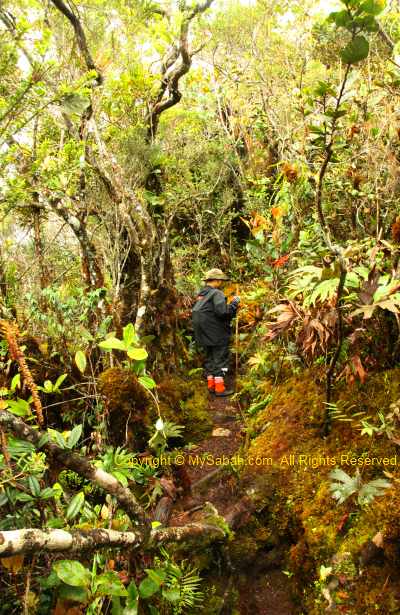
[39,251]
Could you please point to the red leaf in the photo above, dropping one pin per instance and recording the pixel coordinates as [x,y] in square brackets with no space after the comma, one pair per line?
[342,522]
[279,262]
[358,368]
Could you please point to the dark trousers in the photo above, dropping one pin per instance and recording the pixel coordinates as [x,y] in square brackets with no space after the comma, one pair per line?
[217,360]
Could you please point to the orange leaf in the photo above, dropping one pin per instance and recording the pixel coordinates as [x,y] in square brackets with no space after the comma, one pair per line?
[13,563]
[276,212]
[279,262]
[358,368]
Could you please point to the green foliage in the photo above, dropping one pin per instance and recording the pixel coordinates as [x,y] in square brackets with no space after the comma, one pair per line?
[172,585]
[75,582]
[124,466]
[67,439]
[164,430]
[259,405]
[22,486]
[80,360]
[49,387]
[129,344]
[343,486]
[355,51]
[66,320]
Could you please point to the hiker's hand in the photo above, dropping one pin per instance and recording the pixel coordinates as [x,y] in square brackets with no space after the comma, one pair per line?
[235,301]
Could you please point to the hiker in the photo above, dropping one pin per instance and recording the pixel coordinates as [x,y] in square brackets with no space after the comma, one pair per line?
[211,317]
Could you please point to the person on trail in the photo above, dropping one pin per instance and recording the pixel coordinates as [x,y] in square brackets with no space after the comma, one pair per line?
[211,317]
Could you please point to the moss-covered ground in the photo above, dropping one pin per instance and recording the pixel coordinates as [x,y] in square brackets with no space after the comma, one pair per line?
[286,474]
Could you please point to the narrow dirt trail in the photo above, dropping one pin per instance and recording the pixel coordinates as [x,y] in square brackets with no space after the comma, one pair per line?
[260,592]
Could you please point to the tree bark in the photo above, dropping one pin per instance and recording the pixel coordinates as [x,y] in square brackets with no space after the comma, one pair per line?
[33,540]
[91,270]
[39,251]
[79,36]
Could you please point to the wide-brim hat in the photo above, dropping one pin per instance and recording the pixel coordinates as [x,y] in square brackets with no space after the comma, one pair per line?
[215,274]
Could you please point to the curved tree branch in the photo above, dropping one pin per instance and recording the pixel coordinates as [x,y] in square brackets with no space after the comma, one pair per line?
[170,80]
[80,37]
[81,466]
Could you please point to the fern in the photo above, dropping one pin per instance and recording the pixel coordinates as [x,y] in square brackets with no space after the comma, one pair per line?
[188,582]
[342,414]
[343,486]
[181,588]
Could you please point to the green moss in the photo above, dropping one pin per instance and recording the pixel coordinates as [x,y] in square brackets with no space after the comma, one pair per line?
[186,402]
[295,499]
[127,404]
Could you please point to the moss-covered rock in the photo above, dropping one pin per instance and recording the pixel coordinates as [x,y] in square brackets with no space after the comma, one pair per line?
[185,401]
[127,404]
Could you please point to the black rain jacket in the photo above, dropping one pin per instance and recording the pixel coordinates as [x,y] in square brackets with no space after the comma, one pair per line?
[211,316]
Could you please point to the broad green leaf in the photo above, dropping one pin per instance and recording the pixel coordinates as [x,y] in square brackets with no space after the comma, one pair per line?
[47,493]
[74,436]
[75,594]
[59,381]
[75,505]
[80,360]
[373,7]
[15,382]
[341,19]
[51,581]
[137,354]
[112,343]
[109,584]
[48,386]
[58,437]
[368,23]
[34,486]
[158,576]
[132,600]
[19,407]
[147,382]
[24,497]
[120,477]
[148,587]
[323,291]
[355,51]
[43,440]
[128,334]
[116,608]
[72,573]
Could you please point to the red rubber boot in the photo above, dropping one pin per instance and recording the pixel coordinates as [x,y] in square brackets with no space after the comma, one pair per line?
[220,389]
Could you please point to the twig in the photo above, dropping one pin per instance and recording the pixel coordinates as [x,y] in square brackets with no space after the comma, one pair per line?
[331,370]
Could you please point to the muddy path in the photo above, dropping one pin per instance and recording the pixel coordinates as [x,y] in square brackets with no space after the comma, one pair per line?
[259,589]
